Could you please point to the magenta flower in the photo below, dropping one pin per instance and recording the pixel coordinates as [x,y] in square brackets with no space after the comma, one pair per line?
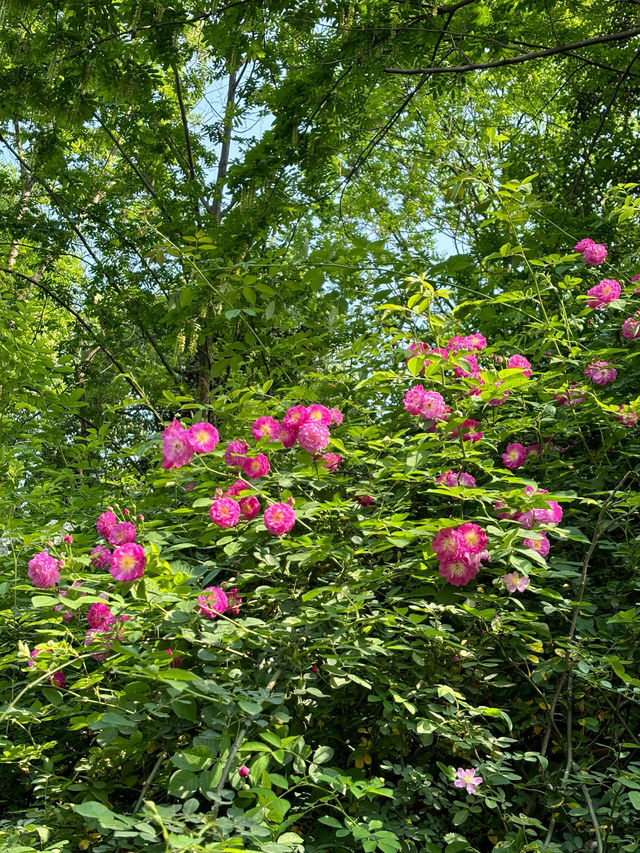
[363,500]
[295,417]
[448,544]
[331,461]
[459,572]
[279,518]
[608,290]
[514,582]
[336,417]
[467,430]
[538,543]
[450,478]
[44,570]
[249,507]
[214,603]
[515,455]
[626,416]
[235,453]
[533,450]
[313,436]
[318,414]
[225,512]
[99,616]
[467,779]
[594,254]
[100,557]
[203,437]
[234,602]
[105,522]
[265,427]
[601,372]
[256,466]
[583,244]
[521,362]
[631,327]
[243,771]
[237,488]
[469,369]
[122,533]
[68,539]
[432,406]
[59,680]
[413,399]
[288,435]
[128,562]
[474,538]
[176,447]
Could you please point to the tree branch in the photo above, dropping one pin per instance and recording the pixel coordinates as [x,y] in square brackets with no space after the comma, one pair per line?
[515,60]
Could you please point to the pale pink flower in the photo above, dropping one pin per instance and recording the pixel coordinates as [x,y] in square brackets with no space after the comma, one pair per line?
[467,779]
[288,435]
[608,290]
[538,543]
[122,533]
[44,570]
[514,582]
[331,461]
[601,372]
[249,507]
[432,406]
[583,244]
[413,399]
[336,417]
[313,436]
[265,427]
[203,437]
[256,466]
[99,616]
[594,254]
[460,571]
[128,562]
[214,603]
[295,417]
[319,414]
[225,512]
[514,455]
[235,453]
[176,447]
[448,544]
[105,522]
[627,416]
[521,362]
[279,518]
[473,537]
[631,327]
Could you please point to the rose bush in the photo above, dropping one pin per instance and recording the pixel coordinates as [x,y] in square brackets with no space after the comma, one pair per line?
[429,644]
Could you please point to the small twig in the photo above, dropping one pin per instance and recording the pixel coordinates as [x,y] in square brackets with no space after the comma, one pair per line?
[148,781]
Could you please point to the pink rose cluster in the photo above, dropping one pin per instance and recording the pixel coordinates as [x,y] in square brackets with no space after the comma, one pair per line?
[179,444]
[593,253]
[127,561]
[533,519]
[460,551]
[429,405]
[458,343]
